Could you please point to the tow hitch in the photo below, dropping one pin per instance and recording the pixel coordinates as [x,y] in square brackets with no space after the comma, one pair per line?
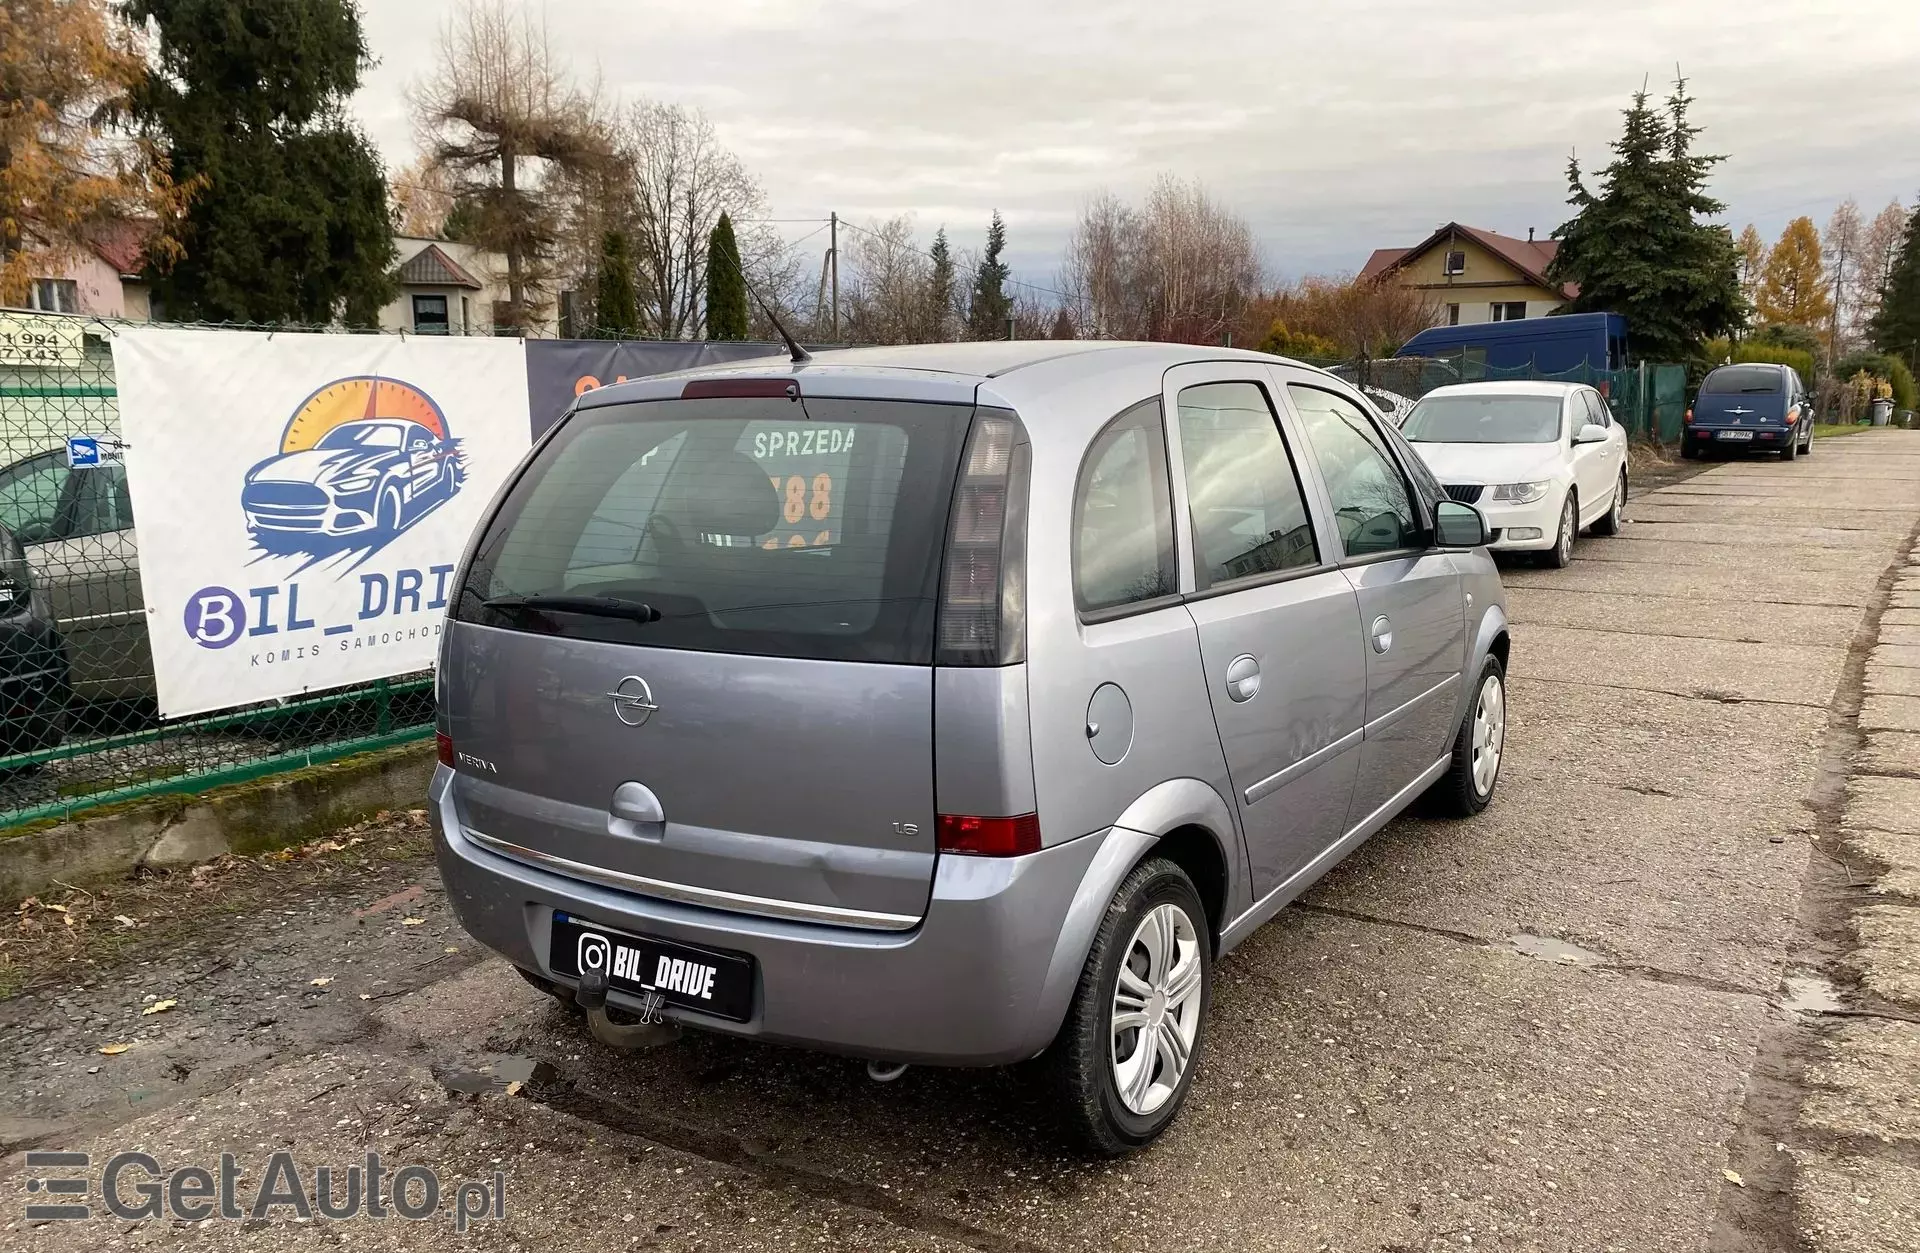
[651,1031]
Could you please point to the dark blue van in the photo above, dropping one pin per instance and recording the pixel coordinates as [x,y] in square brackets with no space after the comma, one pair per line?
[1743,408]
[1550,345]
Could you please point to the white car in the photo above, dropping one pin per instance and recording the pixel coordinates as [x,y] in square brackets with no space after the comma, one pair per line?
[1542,461]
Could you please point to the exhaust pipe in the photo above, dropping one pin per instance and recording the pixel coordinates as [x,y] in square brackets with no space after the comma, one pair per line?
[650,1032]
[885,1072]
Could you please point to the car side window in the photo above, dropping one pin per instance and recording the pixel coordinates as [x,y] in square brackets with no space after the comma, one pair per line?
[1596,409]
[1248,512]
[1371,503]
[30,497]
[1123,515]
[101,503]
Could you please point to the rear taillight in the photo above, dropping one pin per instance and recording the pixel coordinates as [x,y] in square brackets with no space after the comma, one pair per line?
[1687,417]
[982,580]
[989,837]
[444,745]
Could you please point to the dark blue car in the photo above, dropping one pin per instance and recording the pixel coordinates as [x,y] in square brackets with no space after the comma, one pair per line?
[1748,408]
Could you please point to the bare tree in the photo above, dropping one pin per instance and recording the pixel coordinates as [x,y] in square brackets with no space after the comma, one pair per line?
[884,283]
[1364,318]
[422,197]
[1841,246]
[502,115]
[1879,250]
[682,177]
[1180,268]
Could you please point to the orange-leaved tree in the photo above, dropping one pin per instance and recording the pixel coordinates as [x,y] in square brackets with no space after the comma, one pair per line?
[67,165]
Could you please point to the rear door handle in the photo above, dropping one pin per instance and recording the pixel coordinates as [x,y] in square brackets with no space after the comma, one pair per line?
[1243,678]
[1382,634]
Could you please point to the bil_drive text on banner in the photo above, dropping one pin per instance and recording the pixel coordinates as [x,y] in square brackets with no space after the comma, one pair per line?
[302,499]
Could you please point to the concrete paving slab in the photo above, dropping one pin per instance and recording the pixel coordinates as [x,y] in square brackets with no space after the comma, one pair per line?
[1888,955]
[1649,545]
[565,1188]
[1897,499]
[1889,752]
[1545,604]
[1884,804]
[1900,617]
[1857,1205]
[1890,713]
[1898,854]
[1780,585]
[1366,1087]
[1901,634]
[1867,1083]
[1803,674]
[1742,537]
[1760,519]
[1884,680]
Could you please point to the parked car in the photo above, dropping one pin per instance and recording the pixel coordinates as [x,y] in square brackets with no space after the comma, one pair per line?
[33,662]
[1747,408]
[1542,460]
[76,526]
[953,704]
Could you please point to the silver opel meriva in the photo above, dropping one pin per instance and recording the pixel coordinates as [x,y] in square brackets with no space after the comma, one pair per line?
[953,704]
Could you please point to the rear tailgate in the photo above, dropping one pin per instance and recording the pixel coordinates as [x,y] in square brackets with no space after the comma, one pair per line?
[750,725]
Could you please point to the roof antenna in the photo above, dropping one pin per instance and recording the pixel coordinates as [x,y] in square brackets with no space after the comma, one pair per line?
[800,355]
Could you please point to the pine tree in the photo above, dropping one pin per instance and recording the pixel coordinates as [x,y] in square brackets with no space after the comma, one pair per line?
[1896,327]
[616,311]
[726,284]
[990,307]
[940,289]
[289,222]
[1794,290]
[1640,246]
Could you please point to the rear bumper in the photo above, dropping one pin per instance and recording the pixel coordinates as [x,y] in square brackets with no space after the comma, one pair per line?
[1768,439]
[969,986]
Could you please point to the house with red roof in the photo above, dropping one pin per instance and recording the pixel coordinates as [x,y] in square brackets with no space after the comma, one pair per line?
[1477,275]
[101,278]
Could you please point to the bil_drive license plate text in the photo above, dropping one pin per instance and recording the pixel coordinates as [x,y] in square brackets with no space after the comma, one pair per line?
[707,980]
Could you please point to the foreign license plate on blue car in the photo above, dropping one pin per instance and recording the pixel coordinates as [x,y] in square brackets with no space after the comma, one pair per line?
[707,980]
[1734,435]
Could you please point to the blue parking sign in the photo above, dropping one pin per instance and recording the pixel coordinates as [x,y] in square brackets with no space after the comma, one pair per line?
[83,452]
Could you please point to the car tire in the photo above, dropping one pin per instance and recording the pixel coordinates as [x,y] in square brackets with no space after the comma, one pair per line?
[1560,556]
[1791,451]
[1156,900]
[1478,748]
[1609,523]
[1806,449]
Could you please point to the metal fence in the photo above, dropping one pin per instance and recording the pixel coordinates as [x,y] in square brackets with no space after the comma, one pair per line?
[1649,400]
[78,722]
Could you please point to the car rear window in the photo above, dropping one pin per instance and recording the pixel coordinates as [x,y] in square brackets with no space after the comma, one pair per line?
[1741,380]
[764,526]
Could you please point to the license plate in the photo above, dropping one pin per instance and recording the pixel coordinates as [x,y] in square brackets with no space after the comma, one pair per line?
[1734,435]
[693,978]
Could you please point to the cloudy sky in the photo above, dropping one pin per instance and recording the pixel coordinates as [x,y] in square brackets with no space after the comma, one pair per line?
[1332,127]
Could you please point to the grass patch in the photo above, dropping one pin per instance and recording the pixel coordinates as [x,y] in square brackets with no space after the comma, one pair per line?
[1822,430]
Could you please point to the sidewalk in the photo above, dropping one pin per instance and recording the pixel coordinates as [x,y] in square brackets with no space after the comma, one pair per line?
[1857,1142]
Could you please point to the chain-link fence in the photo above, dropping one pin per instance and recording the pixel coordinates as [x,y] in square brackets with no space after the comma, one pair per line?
[78,720]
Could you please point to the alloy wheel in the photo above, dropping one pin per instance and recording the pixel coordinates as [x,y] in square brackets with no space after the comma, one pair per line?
[1569,522]
[1156,1008]
[1489,733]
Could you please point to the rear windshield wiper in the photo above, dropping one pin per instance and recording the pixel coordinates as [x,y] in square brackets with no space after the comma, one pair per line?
[596,606]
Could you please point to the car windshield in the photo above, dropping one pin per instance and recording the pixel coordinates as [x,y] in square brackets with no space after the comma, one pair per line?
[1485,419]
[362,435]
[1742,380]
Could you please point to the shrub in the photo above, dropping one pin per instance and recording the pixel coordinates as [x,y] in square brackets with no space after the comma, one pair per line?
[1769,352]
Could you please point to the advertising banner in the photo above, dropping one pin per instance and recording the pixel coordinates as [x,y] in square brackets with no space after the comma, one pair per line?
[560,369]
[302,500]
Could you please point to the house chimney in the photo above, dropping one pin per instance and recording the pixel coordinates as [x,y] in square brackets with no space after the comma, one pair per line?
[1529,234]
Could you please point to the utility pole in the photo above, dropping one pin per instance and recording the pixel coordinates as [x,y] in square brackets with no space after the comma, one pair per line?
[833,251]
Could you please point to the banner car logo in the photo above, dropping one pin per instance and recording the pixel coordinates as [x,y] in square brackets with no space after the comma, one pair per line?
[362,459]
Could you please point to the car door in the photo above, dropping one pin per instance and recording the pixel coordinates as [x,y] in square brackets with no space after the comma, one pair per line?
[1412,611]
[1279,624]
[1596,467]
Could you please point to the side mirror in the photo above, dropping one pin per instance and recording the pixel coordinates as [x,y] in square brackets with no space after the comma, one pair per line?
[1458,526]
[1591,433]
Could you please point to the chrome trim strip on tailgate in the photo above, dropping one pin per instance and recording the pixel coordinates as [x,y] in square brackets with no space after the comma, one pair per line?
[710,898]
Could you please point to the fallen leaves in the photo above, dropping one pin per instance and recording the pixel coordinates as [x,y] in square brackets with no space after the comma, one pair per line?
[321,982]
[513,1089]
[114,1050]
[158,1007]
[411,922]
[1733,1177]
